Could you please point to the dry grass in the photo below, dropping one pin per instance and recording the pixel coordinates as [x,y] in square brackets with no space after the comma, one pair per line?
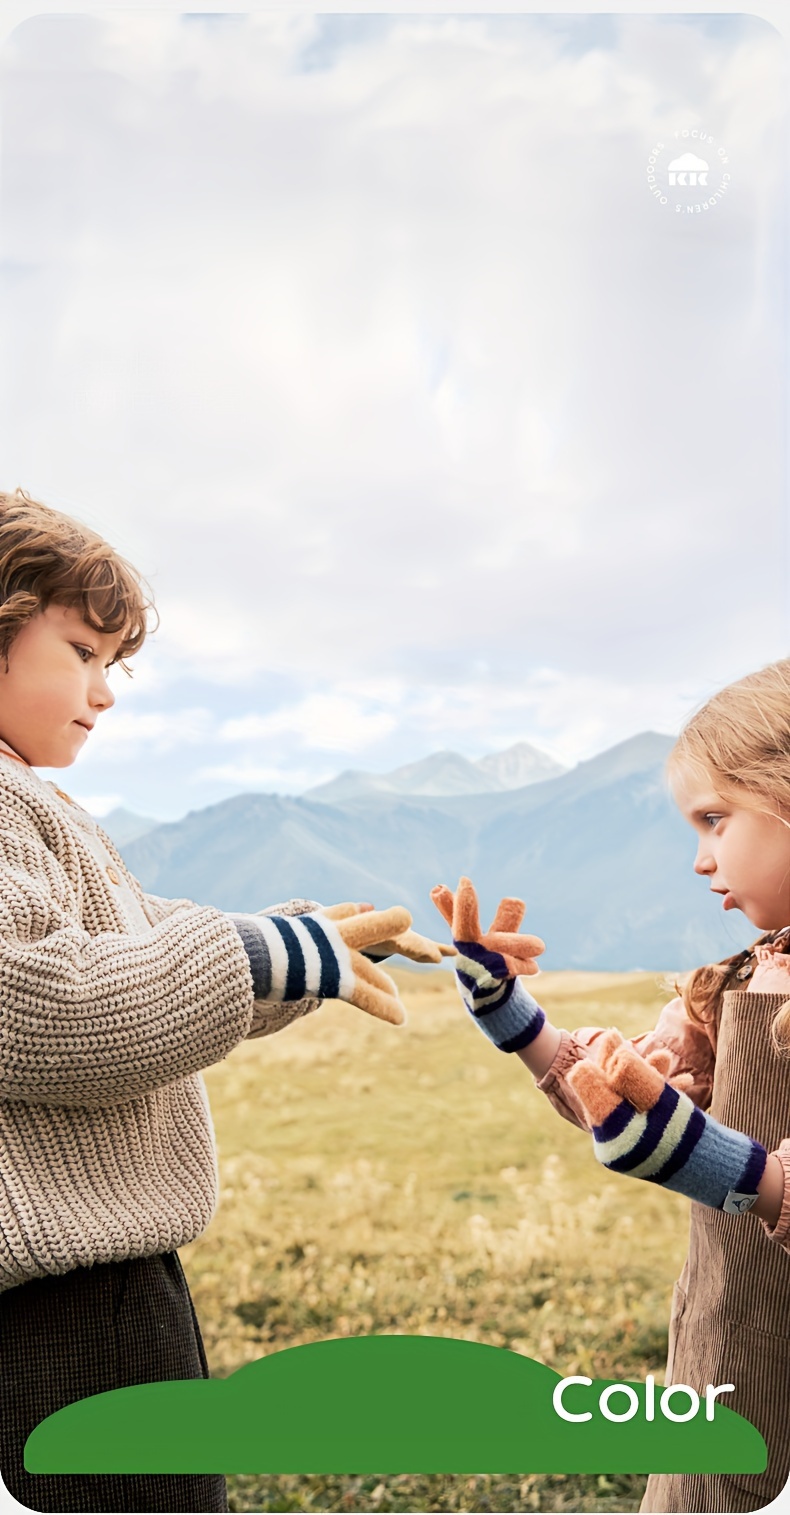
[414,1181]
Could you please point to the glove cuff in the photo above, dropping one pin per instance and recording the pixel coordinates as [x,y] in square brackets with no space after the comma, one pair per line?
[676,1145]
[291,958]
[510,1019]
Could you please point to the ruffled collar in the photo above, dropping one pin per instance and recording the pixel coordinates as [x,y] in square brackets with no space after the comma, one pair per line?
[776,951]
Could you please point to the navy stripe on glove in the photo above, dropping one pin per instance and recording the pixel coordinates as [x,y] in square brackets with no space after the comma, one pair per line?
[290,958]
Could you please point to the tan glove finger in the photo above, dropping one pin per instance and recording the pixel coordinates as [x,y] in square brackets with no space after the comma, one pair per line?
[422,949]
[661,1060]
[444,900]
[419,949]
[374,926]
[383,1004]
[598,1100]
[466,915]
[513,942]
[371,973]
[393,948]
[344,911]
[682,1082]
[509,915]
[605,1044]
[633,1077]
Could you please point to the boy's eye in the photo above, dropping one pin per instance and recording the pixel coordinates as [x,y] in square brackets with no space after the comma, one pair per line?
[711,817]
[91,654]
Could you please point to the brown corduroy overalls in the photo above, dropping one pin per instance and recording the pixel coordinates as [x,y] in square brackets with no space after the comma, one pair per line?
[730,1318]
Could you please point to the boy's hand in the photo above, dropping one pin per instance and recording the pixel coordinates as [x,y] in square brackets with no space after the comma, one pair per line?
[409,944]
[311,954]
[647,1127]
[488,965]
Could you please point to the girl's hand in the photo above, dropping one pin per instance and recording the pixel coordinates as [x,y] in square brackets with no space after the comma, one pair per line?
[488,965]
[646,1127]
[506,953]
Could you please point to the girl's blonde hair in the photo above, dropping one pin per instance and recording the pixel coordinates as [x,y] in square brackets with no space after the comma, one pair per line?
[47,558]
[739,743]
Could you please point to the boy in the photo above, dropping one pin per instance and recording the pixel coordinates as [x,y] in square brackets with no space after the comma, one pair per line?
[112,1000]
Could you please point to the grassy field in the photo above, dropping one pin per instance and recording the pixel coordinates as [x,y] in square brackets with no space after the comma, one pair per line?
[415,1181]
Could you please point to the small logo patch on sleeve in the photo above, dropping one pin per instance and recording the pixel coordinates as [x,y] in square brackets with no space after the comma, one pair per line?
[737,1204]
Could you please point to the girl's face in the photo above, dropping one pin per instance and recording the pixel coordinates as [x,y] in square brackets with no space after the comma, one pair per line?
[744,853]
[55,687]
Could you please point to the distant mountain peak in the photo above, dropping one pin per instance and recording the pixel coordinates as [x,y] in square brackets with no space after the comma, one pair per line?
[634,752]
[520,765]
[443,774]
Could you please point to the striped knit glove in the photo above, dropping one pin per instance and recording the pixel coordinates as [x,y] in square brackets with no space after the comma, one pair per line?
[649,1128]
[488,965]
[291,957]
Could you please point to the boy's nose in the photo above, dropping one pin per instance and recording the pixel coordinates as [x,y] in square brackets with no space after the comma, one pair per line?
[104,696]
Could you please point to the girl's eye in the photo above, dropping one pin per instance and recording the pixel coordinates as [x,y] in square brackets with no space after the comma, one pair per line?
[88,650]
[711,817]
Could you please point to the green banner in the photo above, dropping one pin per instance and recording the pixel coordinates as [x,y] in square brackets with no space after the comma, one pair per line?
[396,1404]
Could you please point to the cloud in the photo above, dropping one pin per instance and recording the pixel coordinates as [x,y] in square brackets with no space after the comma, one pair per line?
[129,733]
[367,343]
[100,805]
[322,721]
[269,778]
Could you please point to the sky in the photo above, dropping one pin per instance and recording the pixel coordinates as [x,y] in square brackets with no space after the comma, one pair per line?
[364,338]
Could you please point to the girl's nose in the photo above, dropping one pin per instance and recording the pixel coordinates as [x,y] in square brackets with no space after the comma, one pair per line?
[703,862]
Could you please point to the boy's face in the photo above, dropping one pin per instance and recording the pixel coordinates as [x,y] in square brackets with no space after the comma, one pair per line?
[744,853]
[55,687]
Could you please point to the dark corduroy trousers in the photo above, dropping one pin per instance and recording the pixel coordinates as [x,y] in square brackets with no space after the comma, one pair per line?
[88,1331]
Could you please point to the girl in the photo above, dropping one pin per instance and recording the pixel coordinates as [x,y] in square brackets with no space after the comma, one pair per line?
[111,1002]
[722,1047]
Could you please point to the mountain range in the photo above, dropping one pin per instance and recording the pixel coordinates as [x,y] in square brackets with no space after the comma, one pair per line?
[599,852]
[443,774]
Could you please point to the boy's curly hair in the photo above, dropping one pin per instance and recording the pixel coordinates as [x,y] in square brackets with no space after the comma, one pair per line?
[48,558]
[738,742]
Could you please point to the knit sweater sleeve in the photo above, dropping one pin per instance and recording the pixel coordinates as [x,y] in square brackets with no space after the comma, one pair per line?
[268,1016]
[94,1020]
[159,908]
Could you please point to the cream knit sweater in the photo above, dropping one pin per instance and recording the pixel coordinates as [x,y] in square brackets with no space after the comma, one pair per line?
[111,1002]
